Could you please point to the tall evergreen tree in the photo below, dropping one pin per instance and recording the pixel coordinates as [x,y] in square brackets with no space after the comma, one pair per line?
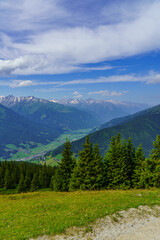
[97,173]
[27,181]
[21,185]
[63,174]
[81,177]
[115,164]
[139,160]
[34,183]
[130,161]
[8,180]
[155,157]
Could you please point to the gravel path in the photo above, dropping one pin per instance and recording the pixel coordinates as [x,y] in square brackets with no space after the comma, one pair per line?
[135,224]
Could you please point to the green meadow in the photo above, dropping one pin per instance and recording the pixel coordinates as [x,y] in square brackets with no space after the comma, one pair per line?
[27,215]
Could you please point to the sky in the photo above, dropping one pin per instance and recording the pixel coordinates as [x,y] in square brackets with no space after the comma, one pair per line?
[105,49]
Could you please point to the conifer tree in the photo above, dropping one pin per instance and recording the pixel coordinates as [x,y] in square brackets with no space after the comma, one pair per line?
[155,153]
[97,174]
[130,161]
[34,183]
[115,164]
[27,181]
[21,186]
[155,158]
[139,160]
[1,178]
[63,174]
[8,180]
[56,183]
[82,174]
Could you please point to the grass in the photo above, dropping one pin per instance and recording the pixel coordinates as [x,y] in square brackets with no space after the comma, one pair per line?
[27,215]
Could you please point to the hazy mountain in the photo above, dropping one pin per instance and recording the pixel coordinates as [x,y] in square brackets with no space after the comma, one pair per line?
[142,127]
[49,113]
[16,130]
[104,110]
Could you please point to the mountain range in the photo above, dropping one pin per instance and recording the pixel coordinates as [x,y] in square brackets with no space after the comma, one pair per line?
[17,131]
[29,121]
[104,110]
[54,115]
[26,122]
[142,127]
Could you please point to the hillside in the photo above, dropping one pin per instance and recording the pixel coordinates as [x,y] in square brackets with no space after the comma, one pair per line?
[142,127]
[104,110]
[51,114]
[17,131]
[120,120]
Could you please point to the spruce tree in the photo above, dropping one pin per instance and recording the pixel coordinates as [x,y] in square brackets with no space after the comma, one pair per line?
[21,185]
[130,161]
[115,164]
[8,184]
[27,181]
[155,158]
[34,183]
[139,159]
[97,174]
[56,181]
[63,174]
[81,174]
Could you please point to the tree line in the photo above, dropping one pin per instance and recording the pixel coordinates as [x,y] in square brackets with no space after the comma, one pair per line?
[123,167]
[25,176]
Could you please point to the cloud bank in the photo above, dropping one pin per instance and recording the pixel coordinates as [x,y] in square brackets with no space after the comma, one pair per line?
[45,37]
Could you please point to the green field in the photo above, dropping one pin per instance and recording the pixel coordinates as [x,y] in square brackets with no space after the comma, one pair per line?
[27,215]
[29,152]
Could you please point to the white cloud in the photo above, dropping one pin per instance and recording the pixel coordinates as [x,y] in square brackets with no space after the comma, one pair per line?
[61,49]
[107,93]
[33,15]
[20,83]
[151,78]
[76,94]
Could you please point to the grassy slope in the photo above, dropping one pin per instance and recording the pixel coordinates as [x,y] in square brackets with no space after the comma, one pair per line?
[45,213]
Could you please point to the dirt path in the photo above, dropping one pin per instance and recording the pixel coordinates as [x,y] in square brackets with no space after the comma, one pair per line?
[135,224]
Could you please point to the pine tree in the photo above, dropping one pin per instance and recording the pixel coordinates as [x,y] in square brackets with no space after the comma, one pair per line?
[115,164]
[66,166]
[150,176]
[56,183]
[155,158]
[82,174]
[130,161]
[27,181]
[8,180]
[97,174]
[139,159]
[21,186]
[34,183]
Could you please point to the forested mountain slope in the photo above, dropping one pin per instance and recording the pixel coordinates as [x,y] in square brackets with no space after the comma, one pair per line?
[54,115]
[142,128]
[17,130]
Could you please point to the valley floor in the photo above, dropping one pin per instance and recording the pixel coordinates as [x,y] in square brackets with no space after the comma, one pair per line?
[133,224]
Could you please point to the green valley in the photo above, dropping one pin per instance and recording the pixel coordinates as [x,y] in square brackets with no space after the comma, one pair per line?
[36,154]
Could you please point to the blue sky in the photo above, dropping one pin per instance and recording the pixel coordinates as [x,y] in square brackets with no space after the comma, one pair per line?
[106,49]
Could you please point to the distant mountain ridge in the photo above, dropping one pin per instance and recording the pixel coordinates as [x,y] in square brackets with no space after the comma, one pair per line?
[104,110]
[51,114]
[19,131]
